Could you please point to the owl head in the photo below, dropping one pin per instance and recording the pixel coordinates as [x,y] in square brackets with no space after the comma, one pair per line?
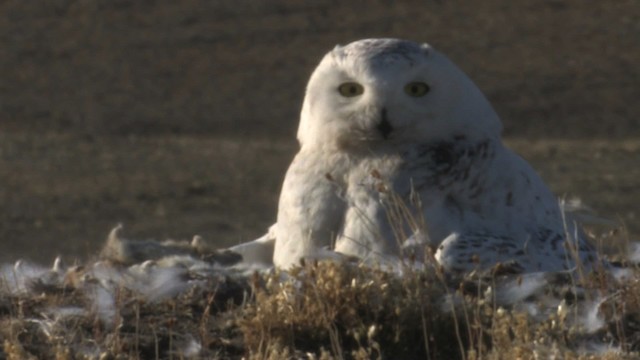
[389,91]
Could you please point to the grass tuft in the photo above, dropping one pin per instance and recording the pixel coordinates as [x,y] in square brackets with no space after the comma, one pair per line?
[356,311]
[324,310]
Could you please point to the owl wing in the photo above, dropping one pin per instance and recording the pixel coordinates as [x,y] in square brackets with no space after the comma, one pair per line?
[540,250]
[310,211]
[258,252]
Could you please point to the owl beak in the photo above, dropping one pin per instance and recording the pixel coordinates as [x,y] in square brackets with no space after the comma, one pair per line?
[384,126]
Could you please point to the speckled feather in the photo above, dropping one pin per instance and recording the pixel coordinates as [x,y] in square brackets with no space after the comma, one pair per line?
[380,166]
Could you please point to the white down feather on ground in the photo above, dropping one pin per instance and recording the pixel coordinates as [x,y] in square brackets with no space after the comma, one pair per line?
[160,272]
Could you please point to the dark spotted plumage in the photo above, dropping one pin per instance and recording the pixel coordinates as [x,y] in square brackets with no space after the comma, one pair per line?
[479,219]
[424,168]
[445,163]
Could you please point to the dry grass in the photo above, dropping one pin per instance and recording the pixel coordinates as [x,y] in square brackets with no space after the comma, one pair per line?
[327,310]
[562,68]
[62,191]
[337,311]
[35,326]
[351,312]
[321,310]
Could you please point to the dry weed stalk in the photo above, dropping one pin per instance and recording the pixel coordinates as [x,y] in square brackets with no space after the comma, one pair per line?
[331,310]
[356,310]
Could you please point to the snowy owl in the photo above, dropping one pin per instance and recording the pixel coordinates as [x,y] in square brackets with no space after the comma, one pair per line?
[398,146]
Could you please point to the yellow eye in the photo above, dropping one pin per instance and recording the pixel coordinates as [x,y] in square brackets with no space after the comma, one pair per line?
[416,89]
[350,89]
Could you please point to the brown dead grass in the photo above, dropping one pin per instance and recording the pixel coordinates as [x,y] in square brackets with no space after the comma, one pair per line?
[552,68]
[321,310]
[354,312]
[62,192]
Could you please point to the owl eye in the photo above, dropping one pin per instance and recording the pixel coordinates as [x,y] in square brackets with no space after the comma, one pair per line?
[416,89]
[350,89]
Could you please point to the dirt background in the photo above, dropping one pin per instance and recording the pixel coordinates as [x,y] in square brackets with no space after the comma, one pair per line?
[178,118]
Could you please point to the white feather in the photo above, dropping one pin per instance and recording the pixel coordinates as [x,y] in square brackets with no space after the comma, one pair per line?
[378,164]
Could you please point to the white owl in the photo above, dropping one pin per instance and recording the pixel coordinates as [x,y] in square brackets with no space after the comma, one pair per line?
[397,146]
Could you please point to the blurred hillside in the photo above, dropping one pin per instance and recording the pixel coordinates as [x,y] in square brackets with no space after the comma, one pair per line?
[551,68]
[218,85]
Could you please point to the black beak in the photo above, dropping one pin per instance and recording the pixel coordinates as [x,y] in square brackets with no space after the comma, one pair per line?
[385,127]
